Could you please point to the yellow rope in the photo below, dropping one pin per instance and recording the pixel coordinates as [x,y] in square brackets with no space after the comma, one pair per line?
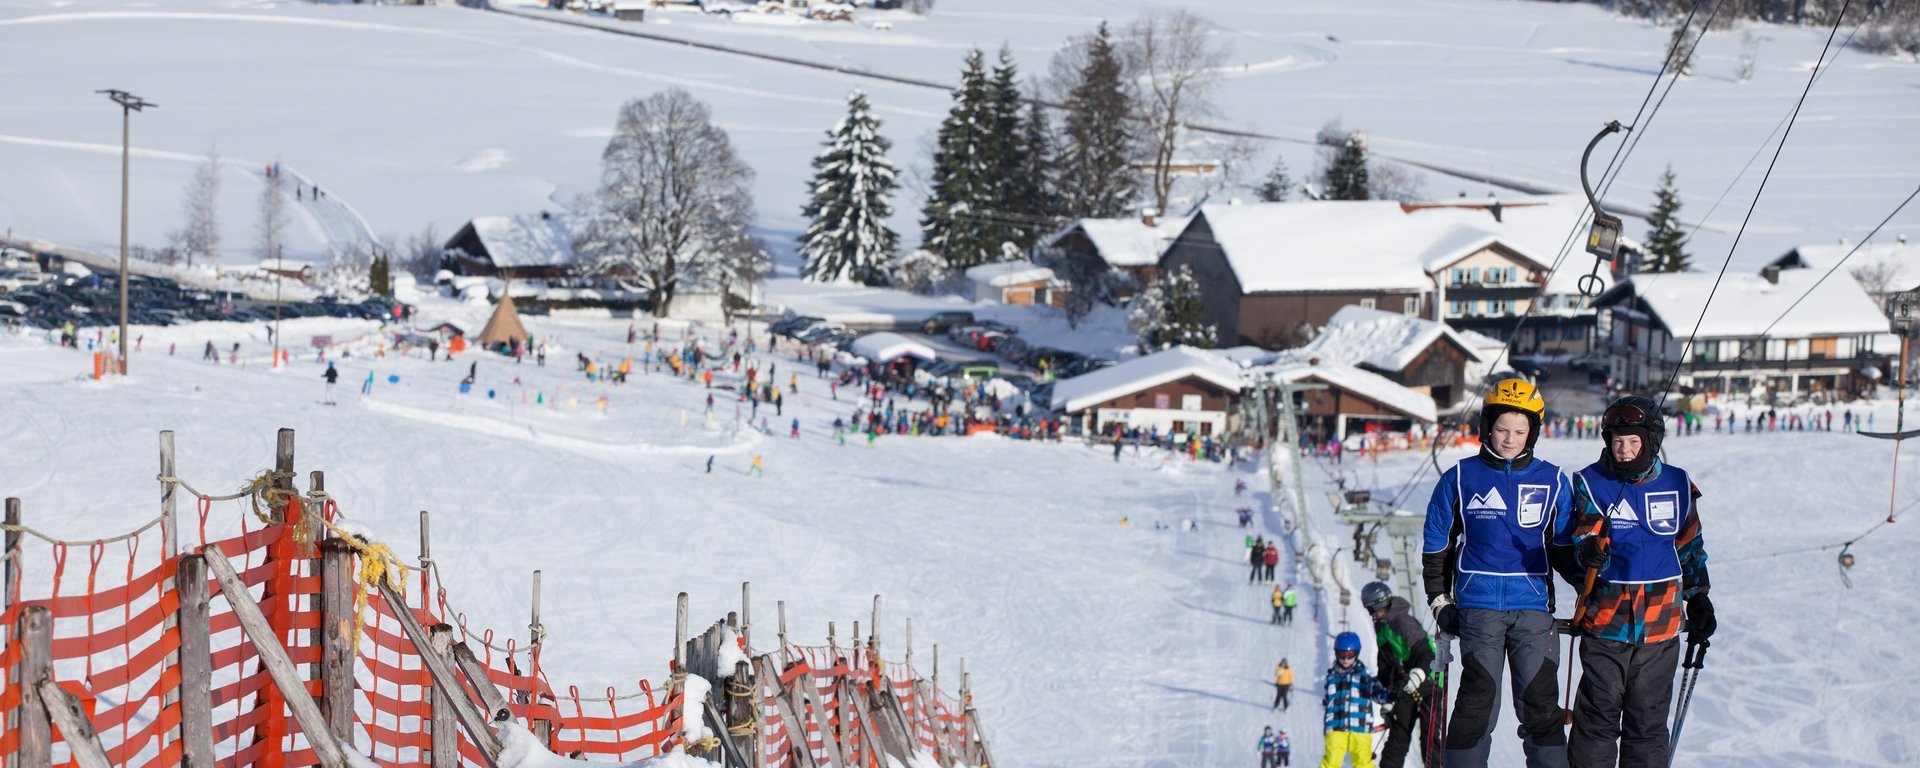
[378,563]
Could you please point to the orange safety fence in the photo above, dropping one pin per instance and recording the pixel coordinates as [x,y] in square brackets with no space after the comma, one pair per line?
[113,645]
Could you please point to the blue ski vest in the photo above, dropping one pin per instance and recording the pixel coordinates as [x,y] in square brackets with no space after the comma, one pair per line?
[1642,521]
[1506,518]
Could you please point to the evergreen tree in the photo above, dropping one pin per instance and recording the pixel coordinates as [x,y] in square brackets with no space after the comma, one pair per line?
[1169,313]
[1346,174]
[1007,153]
[847,237]
[379,279]
[955,221]
[1096,179]
[1666,245]
[1277,186]
[1035,196]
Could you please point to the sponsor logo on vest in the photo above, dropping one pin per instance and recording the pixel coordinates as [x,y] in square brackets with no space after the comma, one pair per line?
[1489,500]
[1663,512]
[1533,505]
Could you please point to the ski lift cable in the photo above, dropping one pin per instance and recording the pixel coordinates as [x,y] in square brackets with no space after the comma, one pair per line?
[1764,178]
[1823,547]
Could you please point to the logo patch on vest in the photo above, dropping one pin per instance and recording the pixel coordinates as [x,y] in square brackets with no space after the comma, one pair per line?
[1622,512]
[1663,512]
[1489,500]
[1533,505]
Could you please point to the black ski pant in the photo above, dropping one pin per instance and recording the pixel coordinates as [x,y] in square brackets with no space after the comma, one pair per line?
[1406,722]
[1280,699]
[1276,614]
[1621,707]
[1254,575]
[1522,644]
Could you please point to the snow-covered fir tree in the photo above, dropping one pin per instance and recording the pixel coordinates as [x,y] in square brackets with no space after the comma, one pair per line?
[922,272]
[1345,177]
[1169,312]
[957,219]
[847,237]
[1096,178]
[1017,185]
[1277,187]
[1666,244]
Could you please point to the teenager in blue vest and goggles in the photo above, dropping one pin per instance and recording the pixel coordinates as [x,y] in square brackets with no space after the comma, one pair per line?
[1636,526]
[1498,526]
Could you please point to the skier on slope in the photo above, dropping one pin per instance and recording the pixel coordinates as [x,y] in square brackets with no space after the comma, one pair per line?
[1402,655]
[1636,526]
[1495,525]
[1269,748]
[1257,557]
[1270,560]
[1348,704]
[1282,686]
[333,377]
[1279,602]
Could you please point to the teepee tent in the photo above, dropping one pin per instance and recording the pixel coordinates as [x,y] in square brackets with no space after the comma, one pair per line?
[503,326]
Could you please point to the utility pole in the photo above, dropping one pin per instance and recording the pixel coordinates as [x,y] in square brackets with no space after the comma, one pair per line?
[129,104]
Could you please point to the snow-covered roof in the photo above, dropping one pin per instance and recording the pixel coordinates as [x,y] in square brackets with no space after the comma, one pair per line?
[1385,341]
[1905,256]
[1090,389]
[1328,245]
[1293,366]
[527,239]
[1129,242]
[1006,273]
[885,346]
[1746,304]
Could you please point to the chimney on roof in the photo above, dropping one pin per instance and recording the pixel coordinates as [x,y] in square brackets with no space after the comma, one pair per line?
[1903,239]
[1771,273]
[1495,210]
[1148,218]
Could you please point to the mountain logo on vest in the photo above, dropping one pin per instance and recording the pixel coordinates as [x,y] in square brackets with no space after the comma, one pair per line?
[1622,512]
[1663,512]
[1489,500]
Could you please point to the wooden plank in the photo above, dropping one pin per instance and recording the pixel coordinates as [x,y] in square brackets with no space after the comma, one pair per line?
[726,737]
[169,544]
[445,749]
[892,722]
[34,631]
[336,636]
[790,722]
[444,676]
[979,738]
[273,656]
[870,744]
[83,744]
[809,693]
[497,709]
[196,663]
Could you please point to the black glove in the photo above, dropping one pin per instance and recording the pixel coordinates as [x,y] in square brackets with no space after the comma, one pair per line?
[1700,623]
[1446,616]
[1592,552]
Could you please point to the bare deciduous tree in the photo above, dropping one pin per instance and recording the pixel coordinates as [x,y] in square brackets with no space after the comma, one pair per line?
[200,235]
[1880,277]
[673,200]
[273,214]
[1393,181]
[1174,62]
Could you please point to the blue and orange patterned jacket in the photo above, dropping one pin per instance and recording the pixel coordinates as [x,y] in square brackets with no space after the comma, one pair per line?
[1641,611]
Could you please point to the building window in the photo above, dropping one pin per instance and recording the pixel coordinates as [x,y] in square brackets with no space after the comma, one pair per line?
[1573,333]
[1457,308]
[1366,303]
[1412,306]
[1162,401]
[1547,301]
[1189,402]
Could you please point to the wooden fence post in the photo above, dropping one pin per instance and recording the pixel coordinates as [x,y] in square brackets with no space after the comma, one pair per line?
[780,606]
[169,547]
[11,589]
[273,656]
[196,663]
[798,745]
[542,727]
[335,637]
[63,708]
[445,749]
[34,630]
[444,676]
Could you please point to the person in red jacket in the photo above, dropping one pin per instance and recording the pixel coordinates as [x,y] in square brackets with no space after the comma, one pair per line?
[1272,558]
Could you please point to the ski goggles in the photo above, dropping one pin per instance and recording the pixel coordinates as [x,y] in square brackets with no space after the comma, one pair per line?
[1347,654]
[1623,415]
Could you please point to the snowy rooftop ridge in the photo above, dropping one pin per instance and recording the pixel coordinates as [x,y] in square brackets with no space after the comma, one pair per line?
[1382,340]
[1292,366]
[1130,242]
[887,346]
[1172,364]
[1746,304]
[527,239]
[1002,274]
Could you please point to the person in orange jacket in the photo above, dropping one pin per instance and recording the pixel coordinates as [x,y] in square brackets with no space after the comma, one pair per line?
[1282,686]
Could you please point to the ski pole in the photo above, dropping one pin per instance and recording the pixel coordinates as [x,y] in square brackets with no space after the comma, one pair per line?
[1689,674]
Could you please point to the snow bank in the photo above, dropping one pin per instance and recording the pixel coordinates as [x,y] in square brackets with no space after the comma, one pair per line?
[519,749]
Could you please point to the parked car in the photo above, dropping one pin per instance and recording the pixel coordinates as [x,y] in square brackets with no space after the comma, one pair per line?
[20,278]
[995,325]
[963,334]
[941,321]
[788,325]
[988,341]
[1014,349]
[821,331]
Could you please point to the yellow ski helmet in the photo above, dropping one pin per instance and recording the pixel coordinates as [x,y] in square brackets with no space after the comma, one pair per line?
[1518,394]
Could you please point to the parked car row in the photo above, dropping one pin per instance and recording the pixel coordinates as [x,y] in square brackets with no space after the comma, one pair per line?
[807,329]
[1003,339]
[53,301]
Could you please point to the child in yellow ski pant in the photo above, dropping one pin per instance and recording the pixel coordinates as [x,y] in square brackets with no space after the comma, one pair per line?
[1341,743]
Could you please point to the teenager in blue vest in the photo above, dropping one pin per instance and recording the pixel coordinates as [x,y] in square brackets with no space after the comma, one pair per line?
[1497,525]
[1636,526]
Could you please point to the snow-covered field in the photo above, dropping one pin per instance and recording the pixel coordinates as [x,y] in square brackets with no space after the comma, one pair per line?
[411,116]
[1090,643]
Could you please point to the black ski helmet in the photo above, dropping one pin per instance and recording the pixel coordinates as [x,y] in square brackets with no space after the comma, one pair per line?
[1634,414]
[1375,596]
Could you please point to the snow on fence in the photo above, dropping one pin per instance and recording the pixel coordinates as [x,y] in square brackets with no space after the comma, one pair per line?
[273,648]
